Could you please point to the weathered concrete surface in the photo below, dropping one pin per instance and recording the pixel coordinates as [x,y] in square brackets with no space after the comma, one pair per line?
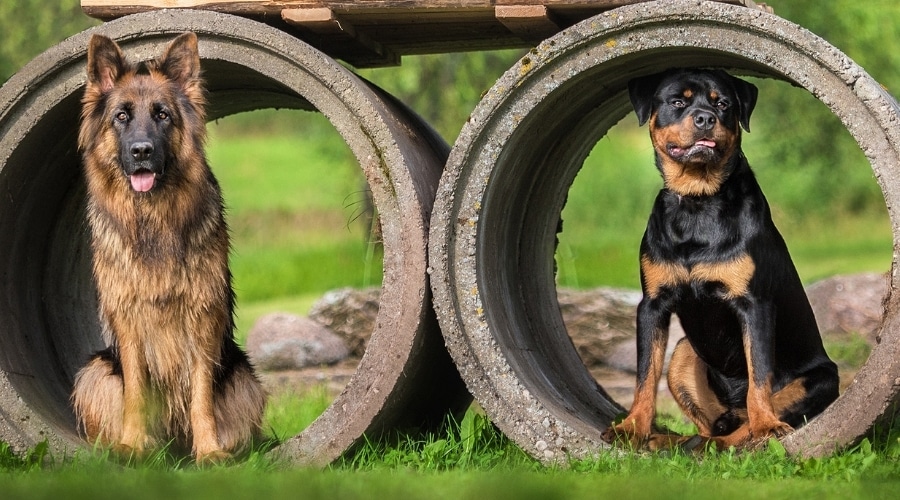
[47,306]
[494,225]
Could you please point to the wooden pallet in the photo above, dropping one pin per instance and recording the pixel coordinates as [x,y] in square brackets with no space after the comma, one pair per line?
[369,33]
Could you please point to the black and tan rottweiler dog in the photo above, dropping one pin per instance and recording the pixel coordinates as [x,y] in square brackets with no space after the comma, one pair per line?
[752,365]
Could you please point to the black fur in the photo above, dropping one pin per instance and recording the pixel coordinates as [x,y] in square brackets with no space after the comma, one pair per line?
[712,255]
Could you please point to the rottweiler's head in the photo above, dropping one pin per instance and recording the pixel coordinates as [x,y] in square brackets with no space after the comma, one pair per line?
[695,118]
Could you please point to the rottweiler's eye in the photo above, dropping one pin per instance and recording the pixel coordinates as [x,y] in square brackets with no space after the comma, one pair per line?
[722,105]
[678,103]
[122,116]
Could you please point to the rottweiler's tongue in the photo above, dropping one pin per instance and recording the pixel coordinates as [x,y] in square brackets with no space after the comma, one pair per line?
[142,180]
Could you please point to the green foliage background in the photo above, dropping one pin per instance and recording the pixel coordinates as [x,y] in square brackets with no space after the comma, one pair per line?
[27,27]
[818,159]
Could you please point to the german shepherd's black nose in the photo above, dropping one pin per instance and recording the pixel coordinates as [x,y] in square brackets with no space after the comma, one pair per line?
[141,151]
[704,120]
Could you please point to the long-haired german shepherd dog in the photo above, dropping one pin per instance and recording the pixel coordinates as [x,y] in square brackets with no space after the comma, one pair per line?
[172,371]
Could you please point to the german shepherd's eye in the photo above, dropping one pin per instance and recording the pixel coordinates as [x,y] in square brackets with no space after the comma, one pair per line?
[121,116]
[162,116]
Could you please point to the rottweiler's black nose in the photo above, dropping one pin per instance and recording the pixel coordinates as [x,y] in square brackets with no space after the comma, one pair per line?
[141,151]
[704,120]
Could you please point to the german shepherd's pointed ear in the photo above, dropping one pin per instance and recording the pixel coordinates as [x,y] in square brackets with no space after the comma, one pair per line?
[641,91]
[106,63]
[181,60]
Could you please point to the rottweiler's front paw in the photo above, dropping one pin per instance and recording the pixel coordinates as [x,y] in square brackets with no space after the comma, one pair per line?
[626,433]
[776,429]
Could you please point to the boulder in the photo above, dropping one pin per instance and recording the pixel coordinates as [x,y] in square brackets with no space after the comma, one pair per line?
[350,313]
[282,341]
[851,303]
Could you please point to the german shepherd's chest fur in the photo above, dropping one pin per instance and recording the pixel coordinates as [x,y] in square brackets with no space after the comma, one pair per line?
[149,286]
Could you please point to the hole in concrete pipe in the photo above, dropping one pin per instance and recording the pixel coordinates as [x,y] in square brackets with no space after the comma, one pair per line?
[47,303]
[495,221]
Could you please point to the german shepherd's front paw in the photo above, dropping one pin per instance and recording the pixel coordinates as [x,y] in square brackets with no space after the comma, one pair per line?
[214,457]
[129,452]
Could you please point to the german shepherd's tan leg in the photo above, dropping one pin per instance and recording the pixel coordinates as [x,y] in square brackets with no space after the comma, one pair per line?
[134,410]
[203,421]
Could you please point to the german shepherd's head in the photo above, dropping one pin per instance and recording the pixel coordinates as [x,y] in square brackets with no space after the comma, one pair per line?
[139,121]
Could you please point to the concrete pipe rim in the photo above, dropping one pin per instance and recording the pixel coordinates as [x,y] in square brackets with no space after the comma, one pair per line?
[494,223]
[247,65]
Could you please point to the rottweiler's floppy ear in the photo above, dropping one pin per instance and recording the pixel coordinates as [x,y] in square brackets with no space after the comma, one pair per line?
[641,91]
[106,63]
[747,93]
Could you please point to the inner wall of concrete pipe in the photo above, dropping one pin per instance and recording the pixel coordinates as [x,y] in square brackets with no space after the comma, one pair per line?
[538,165]
[50,294]
[509,174]
[50,299]
[47,301]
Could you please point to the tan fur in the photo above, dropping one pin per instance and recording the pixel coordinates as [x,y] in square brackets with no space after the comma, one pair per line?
[160,265]
[690,387]
[734,275]
[637,425]
[691,179]
[762,421]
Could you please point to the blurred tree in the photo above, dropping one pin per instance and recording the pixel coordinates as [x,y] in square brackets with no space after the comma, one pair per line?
[28,27]
[444,88]
[865,31]
[816,162]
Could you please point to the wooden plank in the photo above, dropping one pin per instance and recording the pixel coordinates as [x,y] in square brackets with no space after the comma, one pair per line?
[319,19]
[531,23]
[324,23]
[107,9]
[377,32]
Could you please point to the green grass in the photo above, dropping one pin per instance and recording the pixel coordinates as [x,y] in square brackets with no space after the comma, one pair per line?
[288,412]
[296,200]
[472,459]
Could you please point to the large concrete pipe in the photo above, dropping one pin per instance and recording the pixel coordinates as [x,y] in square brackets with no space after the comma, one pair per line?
[498,206]
[48,324]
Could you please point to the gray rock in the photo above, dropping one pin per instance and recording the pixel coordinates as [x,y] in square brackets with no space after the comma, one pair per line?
[849,303]
[349,313]
[282,341]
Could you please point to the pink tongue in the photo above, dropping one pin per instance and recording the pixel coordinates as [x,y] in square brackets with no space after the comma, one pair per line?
[142,181]
[704,142]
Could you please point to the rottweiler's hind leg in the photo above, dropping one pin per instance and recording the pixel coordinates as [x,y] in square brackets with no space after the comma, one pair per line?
[690,387]
[687,444]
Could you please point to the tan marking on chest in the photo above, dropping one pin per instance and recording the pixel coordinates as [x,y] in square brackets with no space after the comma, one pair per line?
[734,275]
